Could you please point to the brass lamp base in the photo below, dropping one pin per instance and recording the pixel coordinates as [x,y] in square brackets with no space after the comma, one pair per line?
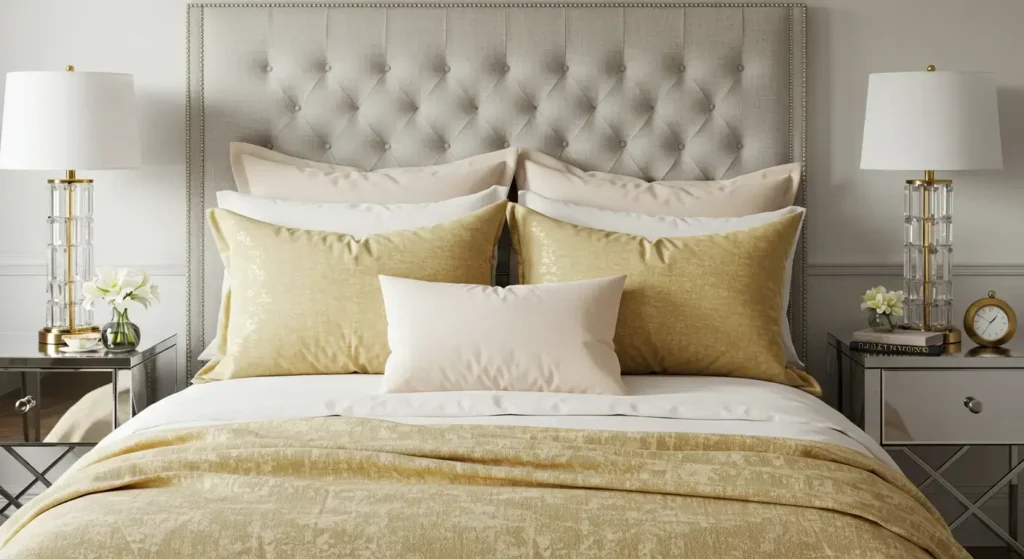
[952,336]
[55,336]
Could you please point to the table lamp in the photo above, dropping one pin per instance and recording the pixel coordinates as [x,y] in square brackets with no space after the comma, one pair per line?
[69,121]
[928,121]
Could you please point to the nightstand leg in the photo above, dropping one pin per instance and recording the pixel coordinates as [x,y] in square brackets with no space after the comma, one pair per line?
[117,405]
[1014,496]
[131,393]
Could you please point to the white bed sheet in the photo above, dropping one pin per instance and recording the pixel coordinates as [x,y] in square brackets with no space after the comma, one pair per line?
[653,403]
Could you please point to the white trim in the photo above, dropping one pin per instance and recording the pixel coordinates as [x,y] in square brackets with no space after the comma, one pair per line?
[879,269]
[33,265]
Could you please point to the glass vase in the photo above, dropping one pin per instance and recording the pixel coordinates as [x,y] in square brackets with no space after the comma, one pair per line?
[881,322]
[121,334]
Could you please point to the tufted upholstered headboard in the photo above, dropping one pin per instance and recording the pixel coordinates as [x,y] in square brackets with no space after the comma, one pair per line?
[694,91]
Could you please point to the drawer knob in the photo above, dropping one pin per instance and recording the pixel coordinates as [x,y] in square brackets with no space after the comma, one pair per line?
[973,404]
[24,404]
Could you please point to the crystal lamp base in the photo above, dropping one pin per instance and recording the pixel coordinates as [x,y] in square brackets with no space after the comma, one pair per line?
[69,261]
[928,254]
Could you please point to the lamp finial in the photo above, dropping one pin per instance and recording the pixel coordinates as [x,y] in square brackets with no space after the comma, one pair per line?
[930,68]
[69,68]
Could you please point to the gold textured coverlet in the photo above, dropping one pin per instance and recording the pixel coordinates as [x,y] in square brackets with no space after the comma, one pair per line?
[333,487]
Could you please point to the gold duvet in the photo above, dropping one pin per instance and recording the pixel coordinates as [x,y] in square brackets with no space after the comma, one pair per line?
[333,487]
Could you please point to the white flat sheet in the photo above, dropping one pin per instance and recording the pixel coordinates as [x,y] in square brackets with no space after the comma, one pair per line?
[654,403]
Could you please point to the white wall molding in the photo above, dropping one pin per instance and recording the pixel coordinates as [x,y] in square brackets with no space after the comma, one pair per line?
[882,269]
[35,265]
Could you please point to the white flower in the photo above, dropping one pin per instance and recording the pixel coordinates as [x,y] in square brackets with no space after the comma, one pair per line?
[882,301]
[120,287]
[107,277]
[128,280]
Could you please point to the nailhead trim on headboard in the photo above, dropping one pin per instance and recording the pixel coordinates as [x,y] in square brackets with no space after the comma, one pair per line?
[188,195]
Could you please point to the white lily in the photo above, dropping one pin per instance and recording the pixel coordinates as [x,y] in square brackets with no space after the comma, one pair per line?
[107,277]
[882,301]
[118,287]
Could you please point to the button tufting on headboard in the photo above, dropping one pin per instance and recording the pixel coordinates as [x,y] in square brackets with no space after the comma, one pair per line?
[659,91]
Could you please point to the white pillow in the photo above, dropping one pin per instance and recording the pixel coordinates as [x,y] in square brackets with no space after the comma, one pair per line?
[554,337]
[761,191]
[360,220]
[265,172]
[656,227]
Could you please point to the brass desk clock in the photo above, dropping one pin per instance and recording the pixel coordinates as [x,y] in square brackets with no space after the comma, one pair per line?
[990,322]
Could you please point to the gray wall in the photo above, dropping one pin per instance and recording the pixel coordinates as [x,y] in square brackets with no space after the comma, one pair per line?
[855,219]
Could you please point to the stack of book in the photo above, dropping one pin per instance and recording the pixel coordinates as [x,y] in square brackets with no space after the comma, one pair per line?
[898,342]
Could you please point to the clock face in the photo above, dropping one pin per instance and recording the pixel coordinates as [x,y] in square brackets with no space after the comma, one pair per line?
[991,323]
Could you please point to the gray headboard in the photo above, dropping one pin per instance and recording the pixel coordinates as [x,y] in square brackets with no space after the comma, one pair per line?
[695,91]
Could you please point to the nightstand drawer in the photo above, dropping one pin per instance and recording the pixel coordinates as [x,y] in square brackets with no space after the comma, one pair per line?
[950,406]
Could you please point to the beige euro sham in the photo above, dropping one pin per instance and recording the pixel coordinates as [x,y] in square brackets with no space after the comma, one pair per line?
[700,305]
[767,190]
[271,174]
[309,302]
[531,338]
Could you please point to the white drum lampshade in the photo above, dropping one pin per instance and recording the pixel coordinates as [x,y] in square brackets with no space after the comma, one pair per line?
[939,121]
[69,121]
[928,121]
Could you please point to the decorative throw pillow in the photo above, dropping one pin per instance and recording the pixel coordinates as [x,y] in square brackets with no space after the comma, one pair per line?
[655,227]
[358,220]
[763,191]
[540,338]
[265,172]
[309,302]
[703,305]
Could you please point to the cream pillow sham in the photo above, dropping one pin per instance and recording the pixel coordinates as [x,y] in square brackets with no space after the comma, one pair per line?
[358,220]
[531,338]
[655,227]
[309,302]
[263,172]
[702,305]
[763,191]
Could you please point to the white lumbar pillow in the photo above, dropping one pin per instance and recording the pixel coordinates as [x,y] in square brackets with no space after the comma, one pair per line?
[359,220]
[656,227]
[554,337]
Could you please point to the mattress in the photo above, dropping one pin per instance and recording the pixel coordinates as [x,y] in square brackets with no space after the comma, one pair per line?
[655,403]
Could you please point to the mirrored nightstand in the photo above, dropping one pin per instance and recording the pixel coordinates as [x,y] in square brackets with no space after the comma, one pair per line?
[54,405]
[970,397]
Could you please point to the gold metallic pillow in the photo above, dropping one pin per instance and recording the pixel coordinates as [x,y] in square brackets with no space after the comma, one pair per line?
[704,305]
[309,302]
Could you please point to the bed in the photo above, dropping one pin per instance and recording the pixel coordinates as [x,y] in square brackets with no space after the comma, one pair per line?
[327,465]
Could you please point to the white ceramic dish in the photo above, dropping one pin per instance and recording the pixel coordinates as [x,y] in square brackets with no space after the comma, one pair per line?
[83,342]
[96,347]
